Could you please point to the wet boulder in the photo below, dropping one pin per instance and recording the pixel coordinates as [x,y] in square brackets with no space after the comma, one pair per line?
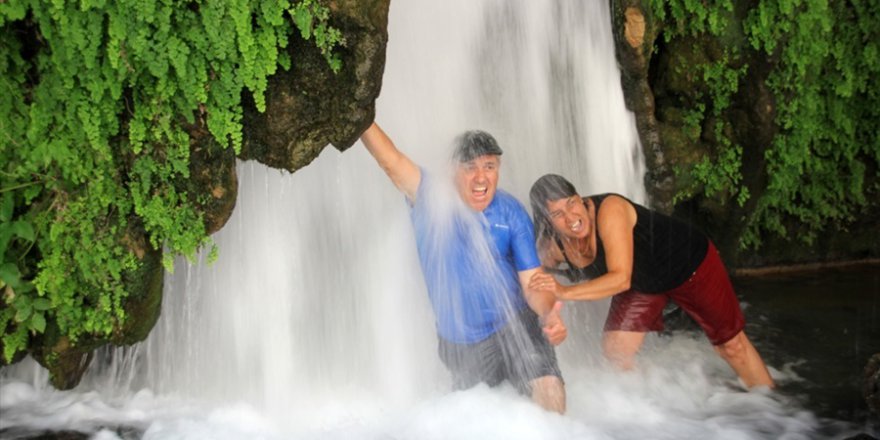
[309,106]
[635,31]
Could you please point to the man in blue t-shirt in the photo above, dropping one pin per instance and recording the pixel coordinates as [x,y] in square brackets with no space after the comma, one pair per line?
[477,258]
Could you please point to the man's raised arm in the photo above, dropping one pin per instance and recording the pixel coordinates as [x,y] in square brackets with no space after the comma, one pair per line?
[404,173]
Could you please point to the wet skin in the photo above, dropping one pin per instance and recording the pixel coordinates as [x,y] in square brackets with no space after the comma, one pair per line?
[569,217]
[477,180]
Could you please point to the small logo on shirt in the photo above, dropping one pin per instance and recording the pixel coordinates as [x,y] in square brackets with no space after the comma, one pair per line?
[497,225]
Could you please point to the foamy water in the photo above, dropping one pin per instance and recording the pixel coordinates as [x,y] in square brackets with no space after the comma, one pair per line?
[666,398]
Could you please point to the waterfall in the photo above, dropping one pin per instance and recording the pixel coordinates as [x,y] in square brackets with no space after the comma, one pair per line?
[317,296]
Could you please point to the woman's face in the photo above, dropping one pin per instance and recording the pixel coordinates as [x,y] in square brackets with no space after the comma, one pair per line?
[569,217]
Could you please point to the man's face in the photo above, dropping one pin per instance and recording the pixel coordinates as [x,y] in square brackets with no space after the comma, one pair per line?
[477,180]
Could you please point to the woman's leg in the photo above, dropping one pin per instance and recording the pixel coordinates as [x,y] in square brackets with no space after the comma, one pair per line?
[631,315]
[620,347]
[745,361]
[708,297]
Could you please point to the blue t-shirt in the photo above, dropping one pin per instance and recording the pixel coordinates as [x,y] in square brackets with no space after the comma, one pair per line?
[470,260]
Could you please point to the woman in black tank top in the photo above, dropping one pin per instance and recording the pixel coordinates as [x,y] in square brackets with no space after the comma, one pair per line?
[608,246]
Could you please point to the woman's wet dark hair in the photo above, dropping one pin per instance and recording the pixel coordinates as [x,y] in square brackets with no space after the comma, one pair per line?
[548,188]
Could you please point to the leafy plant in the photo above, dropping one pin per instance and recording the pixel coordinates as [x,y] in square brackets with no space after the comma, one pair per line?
[827,110]
[826,58]
[96,102]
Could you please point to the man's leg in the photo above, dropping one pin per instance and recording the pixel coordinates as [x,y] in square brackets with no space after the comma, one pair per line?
[745,361]
[549,393]
[471,364]
[531,362]
[620,347]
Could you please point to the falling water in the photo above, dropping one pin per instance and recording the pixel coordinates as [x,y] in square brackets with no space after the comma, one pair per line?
[317,298]
[315,323]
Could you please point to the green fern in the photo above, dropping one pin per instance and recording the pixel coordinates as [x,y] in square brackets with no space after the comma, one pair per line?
[828,61]
[95,101]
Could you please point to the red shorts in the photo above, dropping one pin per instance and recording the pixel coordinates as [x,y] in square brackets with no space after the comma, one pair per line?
[707,296]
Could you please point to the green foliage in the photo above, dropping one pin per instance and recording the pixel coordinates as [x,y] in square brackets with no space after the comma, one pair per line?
[719,174]
[826,58]
[311,19]
[691,17]
[827,108]
[96,99]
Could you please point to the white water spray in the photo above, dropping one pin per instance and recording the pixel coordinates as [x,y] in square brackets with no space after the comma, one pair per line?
[315,322]
[317,297]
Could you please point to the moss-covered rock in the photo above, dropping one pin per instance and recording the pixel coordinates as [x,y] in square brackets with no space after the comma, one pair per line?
[213,183]
[635,31]
[67,361]
[144,302]
[309,106]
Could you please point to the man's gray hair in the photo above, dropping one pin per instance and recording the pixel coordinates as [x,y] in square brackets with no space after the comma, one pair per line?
[473,144]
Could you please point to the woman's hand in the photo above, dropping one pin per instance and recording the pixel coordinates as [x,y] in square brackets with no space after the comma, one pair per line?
[543,282]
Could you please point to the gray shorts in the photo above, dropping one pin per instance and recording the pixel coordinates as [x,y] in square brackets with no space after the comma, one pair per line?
[518,352]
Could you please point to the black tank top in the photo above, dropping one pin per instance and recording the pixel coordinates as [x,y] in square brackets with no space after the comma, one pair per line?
[666,251]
